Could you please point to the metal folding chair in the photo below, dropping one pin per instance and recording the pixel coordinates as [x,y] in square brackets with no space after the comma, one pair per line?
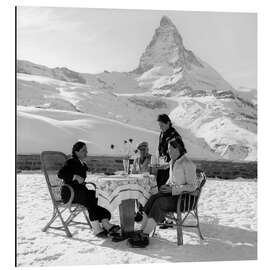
[51,162]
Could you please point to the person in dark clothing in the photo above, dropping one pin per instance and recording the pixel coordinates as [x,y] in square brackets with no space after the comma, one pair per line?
[74,173]
[167,133]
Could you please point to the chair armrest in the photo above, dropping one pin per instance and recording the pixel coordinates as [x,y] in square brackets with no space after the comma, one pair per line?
[71,194]
[193,193]
[91,183]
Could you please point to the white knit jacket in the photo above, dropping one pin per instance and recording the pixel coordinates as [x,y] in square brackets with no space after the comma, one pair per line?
[183,176]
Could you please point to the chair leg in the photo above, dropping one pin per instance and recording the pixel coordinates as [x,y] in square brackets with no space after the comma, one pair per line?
[198,224]
[68,233]
[154,231]
[87,218]
[76,212]
[72,215]
[57,213]
[51,221]
[179,230]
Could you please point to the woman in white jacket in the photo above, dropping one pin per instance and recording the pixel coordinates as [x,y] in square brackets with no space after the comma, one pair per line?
[182,178]
[142,163]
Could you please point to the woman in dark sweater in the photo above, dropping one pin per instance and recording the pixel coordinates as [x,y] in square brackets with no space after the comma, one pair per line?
[74,173]
[167,133]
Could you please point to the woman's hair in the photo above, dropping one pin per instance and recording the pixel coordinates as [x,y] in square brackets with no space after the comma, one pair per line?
[142,145]
[178,143]
[164,118]
[77,147]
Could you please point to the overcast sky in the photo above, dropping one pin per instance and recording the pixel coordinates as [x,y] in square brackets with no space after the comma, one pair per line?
[93,40]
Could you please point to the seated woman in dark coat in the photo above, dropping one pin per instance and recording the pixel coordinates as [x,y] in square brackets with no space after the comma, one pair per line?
[74,173]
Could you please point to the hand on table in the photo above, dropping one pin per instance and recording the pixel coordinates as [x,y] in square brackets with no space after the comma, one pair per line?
[165,189]
[164,166]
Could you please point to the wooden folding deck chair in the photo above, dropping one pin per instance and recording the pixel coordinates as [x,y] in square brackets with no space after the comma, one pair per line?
[51,163]
[190,208]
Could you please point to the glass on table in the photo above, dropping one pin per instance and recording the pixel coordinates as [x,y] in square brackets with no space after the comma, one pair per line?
[154,160]
[162,160]
[126,165]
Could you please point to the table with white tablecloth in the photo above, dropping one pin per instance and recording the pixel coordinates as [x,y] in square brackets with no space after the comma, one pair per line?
[121,191]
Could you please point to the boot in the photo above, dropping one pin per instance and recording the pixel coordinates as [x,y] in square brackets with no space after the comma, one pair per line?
[98,231]
[141,240]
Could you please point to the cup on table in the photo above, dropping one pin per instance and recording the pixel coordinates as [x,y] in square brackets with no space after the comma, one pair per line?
[154,160]
[162,160]
[126,165]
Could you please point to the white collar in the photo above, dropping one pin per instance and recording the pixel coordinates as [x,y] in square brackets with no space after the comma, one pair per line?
[82,162]
[179,160]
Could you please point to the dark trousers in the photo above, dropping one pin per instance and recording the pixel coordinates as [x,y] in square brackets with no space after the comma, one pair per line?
[87,198]
[162,177]
[160,204]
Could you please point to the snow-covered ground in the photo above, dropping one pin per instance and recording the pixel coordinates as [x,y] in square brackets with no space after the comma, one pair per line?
[218,122]
[220,128]
[58,130]
[228,215]
[159,77]
[248,94]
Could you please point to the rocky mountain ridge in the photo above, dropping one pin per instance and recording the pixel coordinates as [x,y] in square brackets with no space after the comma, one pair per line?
[169,79]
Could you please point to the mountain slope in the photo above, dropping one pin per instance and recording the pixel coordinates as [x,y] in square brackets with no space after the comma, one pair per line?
[63,128]
[169,79]
[58,73]
[227,125]
[248,94]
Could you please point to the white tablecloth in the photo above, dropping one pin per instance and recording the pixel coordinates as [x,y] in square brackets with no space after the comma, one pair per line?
[113,189]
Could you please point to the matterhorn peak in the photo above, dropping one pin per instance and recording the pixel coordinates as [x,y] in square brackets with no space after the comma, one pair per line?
[166,49]
[167,55]
[165,21]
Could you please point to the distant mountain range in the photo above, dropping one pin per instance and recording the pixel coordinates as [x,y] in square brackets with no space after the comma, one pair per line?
[169,79]
[63,74]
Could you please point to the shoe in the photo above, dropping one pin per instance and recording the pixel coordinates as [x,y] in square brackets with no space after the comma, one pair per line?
[140,240]
[166,224]
[119,237]
[113,230]
[135,233]
[138,217]
[102,234]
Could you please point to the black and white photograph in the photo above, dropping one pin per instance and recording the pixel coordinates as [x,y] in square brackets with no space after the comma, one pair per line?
[136,136]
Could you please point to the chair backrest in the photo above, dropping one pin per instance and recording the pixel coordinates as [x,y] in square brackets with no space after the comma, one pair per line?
[52,162]
[199,189]
[203,180]
[196,194]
